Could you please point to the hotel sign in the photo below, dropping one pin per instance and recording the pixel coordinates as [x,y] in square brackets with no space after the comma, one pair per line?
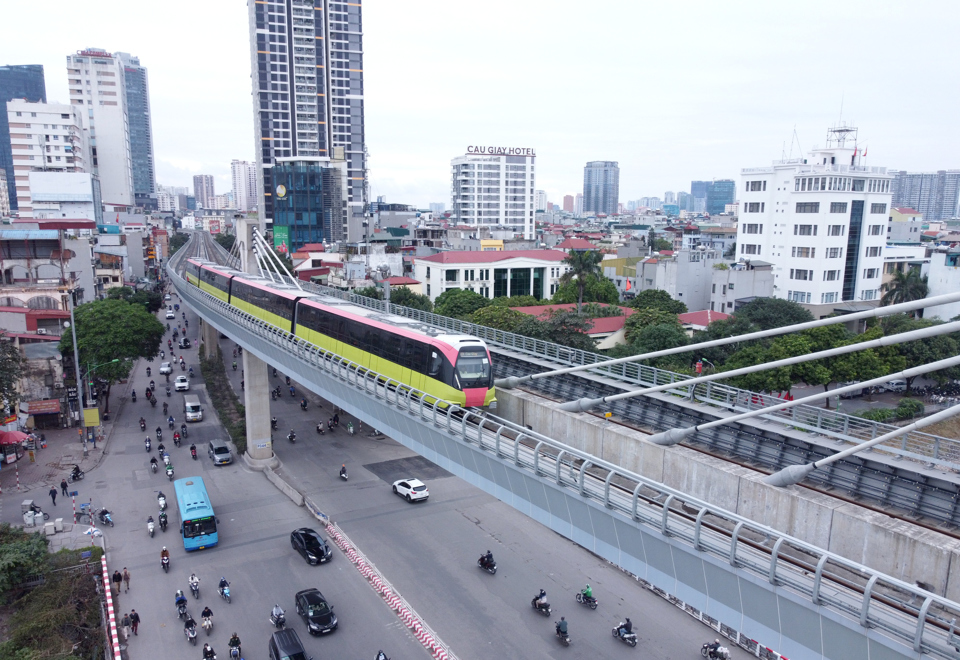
[501,151]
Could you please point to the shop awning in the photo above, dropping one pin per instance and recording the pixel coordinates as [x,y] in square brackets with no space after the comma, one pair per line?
[12,437]
[43,407]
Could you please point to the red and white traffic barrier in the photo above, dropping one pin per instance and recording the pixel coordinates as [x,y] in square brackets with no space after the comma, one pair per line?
[111,614]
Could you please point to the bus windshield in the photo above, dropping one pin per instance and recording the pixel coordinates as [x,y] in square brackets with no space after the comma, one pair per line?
[473,368]
[199,527]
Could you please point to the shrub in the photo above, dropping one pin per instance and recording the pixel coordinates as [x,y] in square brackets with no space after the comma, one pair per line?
[908,408]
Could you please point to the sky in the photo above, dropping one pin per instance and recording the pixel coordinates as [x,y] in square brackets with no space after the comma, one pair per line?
[673,91]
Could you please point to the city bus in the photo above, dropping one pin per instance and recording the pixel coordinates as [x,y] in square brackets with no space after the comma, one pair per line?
[198,524]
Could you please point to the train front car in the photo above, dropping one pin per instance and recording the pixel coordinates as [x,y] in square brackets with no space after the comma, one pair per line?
[472,371]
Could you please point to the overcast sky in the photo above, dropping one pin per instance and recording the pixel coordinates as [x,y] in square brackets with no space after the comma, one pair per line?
[674,91]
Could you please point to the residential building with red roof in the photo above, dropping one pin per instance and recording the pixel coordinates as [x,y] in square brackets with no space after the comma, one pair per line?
[696,321]
[607,331]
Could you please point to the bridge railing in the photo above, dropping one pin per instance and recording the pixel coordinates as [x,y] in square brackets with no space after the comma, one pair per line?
[919,619]
[917,446]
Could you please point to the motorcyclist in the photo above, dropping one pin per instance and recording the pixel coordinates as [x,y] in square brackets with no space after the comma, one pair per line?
[235,643]
[164,554]
[183,430]
[207,613]
[163,518]
[189,623]
[159,432]
[234,365]
[193,450]
[487,559]
[273,422]
[277,612]
[208,653]
[626,628]
[180,598]
[170,420]
[166,407]
[541,599]
[562,626]
[75,473]
[143,422]
[587,592]
[343,470]
[133,396]
[712,648]
[160,449]
[223,583]
[153,463]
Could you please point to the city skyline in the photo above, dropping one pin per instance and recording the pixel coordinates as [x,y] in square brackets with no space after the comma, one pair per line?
[730,103]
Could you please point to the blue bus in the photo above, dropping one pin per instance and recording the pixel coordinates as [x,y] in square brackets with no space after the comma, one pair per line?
[198,524]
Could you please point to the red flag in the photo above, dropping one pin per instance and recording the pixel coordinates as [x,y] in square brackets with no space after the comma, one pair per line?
[864,154]
[628,285]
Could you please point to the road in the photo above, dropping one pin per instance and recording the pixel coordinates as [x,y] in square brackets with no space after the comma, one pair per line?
[429,550]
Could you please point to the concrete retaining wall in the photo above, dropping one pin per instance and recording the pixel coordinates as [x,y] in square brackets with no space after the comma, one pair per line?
[895,547]
[284,487]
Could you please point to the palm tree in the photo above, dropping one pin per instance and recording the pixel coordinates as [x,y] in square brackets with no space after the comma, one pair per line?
[906,287]
[583,265]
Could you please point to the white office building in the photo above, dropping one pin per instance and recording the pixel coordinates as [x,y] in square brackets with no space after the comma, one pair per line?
[493,187]
[97,84]
[494,274]
[821,221]
[244,177]
[44,137]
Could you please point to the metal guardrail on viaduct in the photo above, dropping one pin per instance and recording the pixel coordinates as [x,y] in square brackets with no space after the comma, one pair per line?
[764,589]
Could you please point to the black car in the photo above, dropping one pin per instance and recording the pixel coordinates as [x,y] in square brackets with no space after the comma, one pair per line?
[311,545]
[316,612]
[184,343]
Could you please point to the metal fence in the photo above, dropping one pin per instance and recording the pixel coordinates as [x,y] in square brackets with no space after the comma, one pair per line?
[915,618]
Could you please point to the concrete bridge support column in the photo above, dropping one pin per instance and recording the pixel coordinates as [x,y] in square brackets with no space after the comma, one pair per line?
[257,401]
[208,339]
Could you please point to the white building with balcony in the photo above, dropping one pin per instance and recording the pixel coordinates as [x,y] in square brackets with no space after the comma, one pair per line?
[821,221]
[496,274]
[493,187]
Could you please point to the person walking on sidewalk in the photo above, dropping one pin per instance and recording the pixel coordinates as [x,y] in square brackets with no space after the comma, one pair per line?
[135,619]
[126,580]
[126,626]
[53,495]
[117,579]
[63,487]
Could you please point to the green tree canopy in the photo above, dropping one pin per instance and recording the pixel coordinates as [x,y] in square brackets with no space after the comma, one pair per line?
[11,368]
[648,316]
[225,240]
[151,301]
[662,244]
[370,292]
[113,329]
[21,555]
[769,313]
[177,241]
[459,303]
[906,287]
[518,301]
[501,318]
[596,289]
[923,351]
[582,266]
[658,299]
[407,298]
[659,337]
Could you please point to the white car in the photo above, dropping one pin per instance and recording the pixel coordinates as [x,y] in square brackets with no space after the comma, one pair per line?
[412,489]
[165,368]
[171,314]
[181,384]
[167,297]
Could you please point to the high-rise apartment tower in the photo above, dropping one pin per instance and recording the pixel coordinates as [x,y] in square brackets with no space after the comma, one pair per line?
[935,194]
[23,81]
[601,187]
[244,177]
[203,190]
[141,130]
[307,62]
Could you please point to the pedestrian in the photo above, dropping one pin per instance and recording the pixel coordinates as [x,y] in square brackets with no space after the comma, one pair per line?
[126,623]
[117,579]
[63,487]
[126,580]
[53,495]
[135,619]
[336,419]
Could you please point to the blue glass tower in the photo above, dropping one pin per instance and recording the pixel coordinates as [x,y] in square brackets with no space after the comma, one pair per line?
[308,202]
[141,130]
[19,81]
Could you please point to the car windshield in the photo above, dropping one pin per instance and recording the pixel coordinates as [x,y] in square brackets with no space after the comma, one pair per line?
[318,608]
[221,450]
[312,542]
[473,367]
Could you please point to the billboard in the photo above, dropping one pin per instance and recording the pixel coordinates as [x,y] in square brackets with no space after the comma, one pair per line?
[281,238]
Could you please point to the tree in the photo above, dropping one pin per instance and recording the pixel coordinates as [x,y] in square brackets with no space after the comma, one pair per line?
[643,318]
[517,301]
[177,241]
[562,327]
[225,240]
[922,351]
[11,368]
[500,318]
[597,289]
[662,244]
[731,251]
[406,298]
[459,303]
[658,299]
[112,329]
[583,265]
[370,292]
[659,337]
[769,313]
[151,301]
[906,287]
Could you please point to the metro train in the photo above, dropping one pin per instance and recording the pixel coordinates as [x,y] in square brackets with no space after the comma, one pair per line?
[455,368]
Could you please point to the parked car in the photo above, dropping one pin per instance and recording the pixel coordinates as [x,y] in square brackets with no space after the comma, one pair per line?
[898,385]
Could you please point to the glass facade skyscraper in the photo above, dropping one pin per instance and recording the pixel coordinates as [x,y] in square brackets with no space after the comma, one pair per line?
[720,193]
[601,187]
[307,64]
[23,81]
[308,202]
[141,130]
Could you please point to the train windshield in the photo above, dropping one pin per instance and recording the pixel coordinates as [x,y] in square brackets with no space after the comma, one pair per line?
[473,368]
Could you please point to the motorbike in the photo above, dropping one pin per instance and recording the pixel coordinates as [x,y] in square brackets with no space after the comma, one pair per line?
[181,607]
[105,517]
[162,501]
[292,437]
[543,608]
[273,423]
[176,439]
[169,472]
[208,624]
[39,512]
[163,521]
[146,443]
[563,637]
[350,429]
[273,395]
[193,452]
[169,392]
[274,372]
[183,431]
[170,423]
[190,373]
[278,619]
[191,633]
[133,396]
[143,425]
[165,562]
[183,367]
[76,475]
[225,593]
[293,391]
[195,589]
[589,601]
[625,637]
[722,653]
[153,464]
[153,402]
[166,408]
[234,366]
[343,474]
[234,653]
[491,568]
[320,430]
[148,372]
[150,526]
[159,434]
[303,404]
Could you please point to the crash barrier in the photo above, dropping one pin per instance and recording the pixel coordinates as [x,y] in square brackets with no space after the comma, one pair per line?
[788,594]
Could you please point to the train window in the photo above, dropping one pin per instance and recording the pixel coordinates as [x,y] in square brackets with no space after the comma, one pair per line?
[392,347]
[436,363]
[413,355]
